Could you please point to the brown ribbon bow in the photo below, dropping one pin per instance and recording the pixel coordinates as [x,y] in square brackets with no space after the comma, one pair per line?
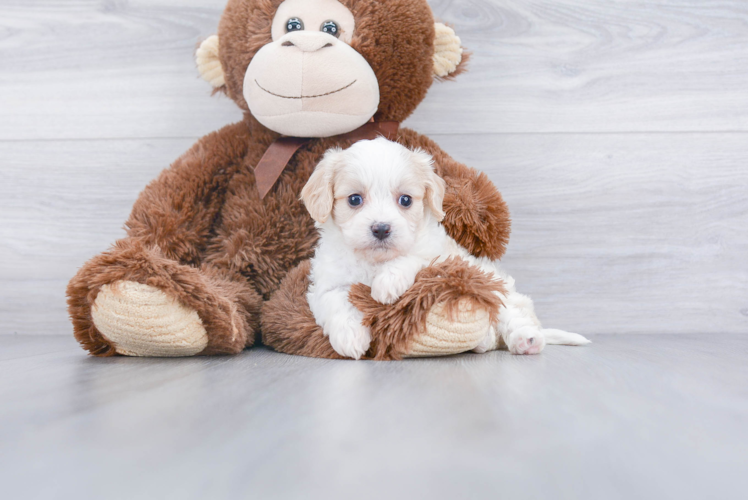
[280,152]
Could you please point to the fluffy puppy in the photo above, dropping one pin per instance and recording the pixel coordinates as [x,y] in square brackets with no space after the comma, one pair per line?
[377,206]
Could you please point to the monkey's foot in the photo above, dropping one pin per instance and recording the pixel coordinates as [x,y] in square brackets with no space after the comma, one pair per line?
[141,320]
[448,332]
[133,300]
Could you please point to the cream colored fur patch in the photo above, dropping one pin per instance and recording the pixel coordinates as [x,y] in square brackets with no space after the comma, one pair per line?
[447,50]
[208,63]
[444,336]
[141,320]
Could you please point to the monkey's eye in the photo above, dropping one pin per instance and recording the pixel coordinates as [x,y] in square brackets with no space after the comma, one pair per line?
[405,201]
[294,24]
[331,28]
[355,200]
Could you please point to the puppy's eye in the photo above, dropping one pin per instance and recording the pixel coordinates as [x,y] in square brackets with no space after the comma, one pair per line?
[294,24]
[355,200]
[331,28]
[405,201]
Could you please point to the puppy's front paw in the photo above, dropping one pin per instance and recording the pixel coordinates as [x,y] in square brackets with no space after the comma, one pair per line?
[526,340]
[389,285]
[348,336]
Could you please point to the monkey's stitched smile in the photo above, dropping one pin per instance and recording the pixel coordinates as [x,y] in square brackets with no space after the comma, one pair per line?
[304,96]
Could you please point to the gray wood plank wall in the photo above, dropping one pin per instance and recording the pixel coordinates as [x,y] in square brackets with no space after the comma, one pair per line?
[617,131]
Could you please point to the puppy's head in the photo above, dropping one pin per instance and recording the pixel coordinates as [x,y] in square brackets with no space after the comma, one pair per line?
[378,193]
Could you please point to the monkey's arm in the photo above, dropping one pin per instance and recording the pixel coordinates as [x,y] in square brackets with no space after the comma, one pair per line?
[476,215]
[177,211]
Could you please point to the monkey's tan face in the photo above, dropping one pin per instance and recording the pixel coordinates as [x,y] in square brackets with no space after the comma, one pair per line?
[309,82]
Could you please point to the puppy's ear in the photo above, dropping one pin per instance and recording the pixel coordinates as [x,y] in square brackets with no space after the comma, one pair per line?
[318,195]
[433,198]
[435,189]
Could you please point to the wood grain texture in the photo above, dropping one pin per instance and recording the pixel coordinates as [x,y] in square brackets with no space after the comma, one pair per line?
[596,66]
[617,131]
[628,417]
[106,69]
[61,202]
[632,233]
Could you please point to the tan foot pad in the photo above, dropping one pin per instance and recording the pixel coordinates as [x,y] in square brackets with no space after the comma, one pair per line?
[141,320]
[444,336]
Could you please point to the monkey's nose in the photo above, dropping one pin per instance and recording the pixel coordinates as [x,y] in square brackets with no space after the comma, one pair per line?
[307,41]
[381,231]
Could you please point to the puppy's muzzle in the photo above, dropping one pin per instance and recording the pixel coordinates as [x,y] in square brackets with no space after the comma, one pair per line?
[381,231]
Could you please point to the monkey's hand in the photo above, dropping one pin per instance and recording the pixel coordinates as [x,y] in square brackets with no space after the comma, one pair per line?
[476,215]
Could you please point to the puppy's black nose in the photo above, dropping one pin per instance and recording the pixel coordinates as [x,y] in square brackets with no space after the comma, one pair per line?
[381,231]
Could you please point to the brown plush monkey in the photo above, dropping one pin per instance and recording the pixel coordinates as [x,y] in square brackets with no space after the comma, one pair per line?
[217,247]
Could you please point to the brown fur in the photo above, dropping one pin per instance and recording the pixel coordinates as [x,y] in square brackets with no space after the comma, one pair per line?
[201,234]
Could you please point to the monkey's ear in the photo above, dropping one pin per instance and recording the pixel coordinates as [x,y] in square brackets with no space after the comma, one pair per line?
[208,63]
[450,59]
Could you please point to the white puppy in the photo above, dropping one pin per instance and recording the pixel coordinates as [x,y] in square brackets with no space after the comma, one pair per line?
[378,206]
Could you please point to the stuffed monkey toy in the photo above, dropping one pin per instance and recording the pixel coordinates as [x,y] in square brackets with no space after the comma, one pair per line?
[216,254]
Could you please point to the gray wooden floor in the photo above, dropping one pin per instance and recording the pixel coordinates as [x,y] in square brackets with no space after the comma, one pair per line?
[628,417]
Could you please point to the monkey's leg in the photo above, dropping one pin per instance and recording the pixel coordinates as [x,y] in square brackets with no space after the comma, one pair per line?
[146,296]
[448,310]
[132,300]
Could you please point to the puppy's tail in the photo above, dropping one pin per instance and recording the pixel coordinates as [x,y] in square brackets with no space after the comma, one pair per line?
[560,337]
